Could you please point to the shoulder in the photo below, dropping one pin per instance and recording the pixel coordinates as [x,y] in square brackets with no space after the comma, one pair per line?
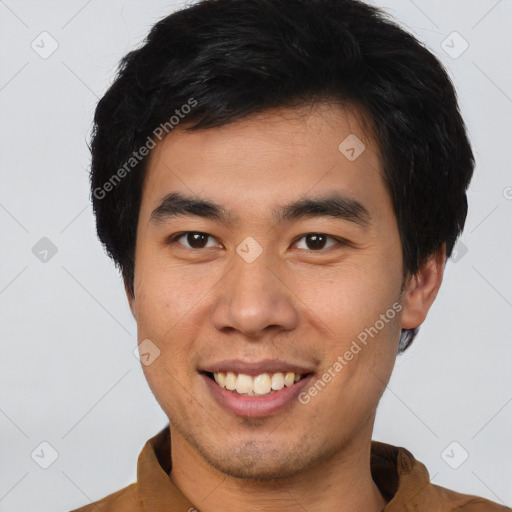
[405,481]
[458,502]
[124,500]
[442,499]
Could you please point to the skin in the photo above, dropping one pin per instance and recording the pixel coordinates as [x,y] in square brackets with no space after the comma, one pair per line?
[294,302]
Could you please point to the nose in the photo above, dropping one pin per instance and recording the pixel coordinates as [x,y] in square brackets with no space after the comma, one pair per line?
[253,299]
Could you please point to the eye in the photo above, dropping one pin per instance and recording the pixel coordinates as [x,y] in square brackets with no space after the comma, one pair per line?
[198,240]
[195,239]
[316,241]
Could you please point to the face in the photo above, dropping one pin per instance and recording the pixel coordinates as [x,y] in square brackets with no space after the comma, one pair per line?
[236,287]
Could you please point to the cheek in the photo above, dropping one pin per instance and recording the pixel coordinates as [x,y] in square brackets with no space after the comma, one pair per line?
[165,295]
[161,320]
[359,364]
[357,302]
[158,314]
[348,297]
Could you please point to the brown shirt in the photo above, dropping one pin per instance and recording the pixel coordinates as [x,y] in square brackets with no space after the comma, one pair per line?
[401,479]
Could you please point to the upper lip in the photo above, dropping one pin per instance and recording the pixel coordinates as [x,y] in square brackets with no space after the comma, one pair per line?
[256,367]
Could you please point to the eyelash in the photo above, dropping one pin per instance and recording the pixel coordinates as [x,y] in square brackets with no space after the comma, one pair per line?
[340,241]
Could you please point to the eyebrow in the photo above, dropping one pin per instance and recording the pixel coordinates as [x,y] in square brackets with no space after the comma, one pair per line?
[334,205]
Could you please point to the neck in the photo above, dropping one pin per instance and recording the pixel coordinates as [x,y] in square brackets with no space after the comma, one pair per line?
[341,483]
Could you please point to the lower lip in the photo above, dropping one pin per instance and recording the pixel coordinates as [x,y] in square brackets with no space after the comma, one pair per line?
[256,406]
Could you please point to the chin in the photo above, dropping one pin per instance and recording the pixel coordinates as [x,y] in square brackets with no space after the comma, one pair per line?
[260,469]
[259,461]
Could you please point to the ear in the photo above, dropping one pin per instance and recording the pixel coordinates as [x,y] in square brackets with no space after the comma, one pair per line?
[421,290]
[131,299]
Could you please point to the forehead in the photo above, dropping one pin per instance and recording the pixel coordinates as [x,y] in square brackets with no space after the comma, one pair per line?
[270,158]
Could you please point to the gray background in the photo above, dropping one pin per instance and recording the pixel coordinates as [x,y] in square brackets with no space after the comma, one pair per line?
[68,373]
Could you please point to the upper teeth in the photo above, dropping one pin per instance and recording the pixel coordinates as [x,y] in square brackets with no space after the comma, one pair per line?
[258,385]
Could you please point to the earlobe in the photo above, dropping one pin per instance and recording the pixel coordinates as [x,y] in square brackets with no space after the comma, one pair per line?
[421,290]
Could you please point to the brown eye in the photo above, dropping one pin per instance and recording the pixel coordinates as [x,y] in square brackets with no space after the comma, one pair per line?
[316,241]
[194,239]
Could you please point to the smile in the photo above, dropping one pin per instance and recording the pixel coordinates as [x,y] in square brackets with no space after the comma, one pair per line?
[258,385]
[254,396]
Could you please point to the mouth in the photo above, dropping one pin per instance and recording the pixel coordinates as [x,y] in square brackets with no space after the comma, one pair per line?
[264,384]
[258,395]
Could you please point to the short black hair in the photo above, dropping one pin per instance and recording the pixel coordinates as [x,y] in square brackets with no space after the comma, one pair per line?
[217,61]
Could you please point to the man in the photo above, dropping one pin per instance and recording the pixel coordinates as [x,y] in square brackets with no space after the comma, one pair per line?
[281,183]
